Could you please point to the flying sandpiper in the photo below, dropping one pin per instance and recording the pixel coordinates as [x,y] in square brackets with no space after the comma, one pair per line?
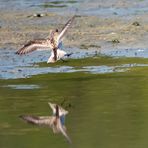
[52,42]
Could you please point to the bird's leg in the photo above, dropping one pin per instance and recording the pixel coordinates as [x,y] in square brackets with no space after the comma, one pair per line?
[63,60]
[55,53]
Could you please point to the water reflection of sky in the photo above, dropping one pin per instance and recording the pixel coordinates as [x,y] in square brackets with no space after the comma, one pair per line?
[13,66]
[22,86]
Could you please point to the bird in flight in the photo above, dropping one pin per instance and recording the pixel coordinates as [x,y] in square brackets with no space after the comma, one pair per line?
[52,42]
[56,121]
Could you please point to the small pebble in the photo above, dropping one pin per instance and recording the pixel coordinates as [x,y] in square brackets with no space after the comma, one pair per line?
[38,15]
[115,41]
[19,70]
[136,24]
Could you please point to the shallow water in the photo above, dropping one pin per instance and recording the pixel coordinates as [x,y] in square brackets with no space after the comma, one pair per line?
[82,7]
[14,66]
[106,109]
[104,92]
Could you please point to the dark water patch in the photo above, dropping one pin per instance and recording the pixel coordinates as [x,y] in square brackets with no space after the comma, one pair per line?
[53,6]
[57,4]
[61,2]
[85,46]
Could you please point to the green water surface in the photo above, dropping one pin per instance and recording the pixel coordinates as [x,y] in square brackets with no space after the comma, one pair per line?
[105,110]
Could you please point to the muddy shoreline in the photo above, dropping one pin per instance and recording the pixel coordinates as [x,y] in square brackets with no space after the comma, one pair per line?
[88,31]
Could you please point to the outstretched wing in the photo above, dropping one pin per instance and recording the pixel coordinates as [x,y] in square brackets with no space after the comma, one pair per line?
[33,45]
[65,28]
[51,36]
[43,120]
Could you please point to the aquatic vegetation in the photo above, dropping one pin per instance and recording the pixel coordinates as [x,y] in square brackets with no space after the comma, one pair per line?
[86,46]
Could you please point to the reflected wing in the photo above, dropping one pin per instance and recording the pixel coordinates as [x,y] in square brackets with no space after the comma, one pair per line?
[63,131]
[43,120]
[52,106]
[33,45]
[65,28]
[62,111]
